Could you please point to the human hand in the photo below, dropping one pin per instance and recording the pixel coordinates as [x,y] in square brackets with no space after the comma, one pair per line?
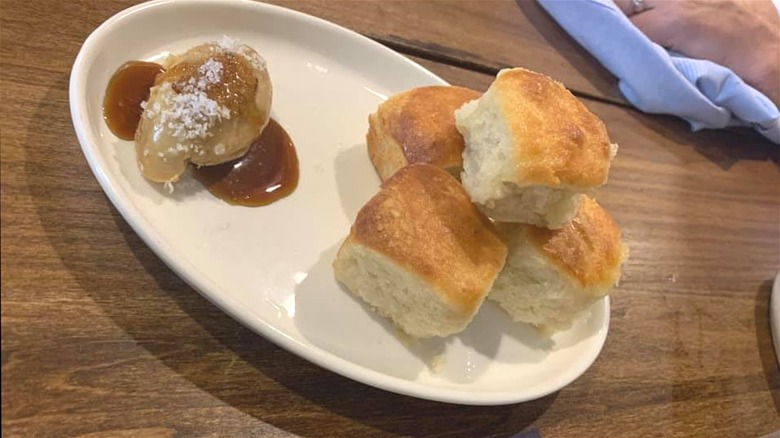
[743,35]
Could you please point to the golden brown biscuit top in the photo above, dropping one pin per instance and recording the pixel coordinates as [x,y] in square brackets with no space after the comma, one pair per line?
[422,121]
[558,141]
[424,220]
[588,248]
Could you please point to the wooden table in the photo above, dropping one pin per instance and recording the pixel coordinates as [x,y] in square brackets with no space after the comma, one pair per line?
[99,338]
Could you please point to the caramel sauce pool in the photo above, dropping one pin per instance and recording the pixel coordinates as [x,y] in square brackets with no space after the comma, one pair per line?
[266,173]
[127,88]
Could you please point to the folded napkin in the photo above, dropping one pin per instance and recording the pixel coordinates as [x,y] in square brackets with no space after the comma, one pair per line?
[655,80]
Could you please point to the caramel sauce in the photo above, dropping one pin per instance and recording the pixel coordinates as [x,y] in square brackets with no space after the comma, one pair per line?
[127,88]
[266,173]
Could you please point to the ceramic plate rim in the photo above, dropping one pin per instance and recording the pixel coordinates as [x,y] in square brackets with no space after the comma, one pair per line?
[208,289]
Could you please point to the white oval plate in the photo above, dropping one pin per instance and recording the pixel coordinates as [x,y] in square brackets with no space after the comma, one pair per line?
[270,267]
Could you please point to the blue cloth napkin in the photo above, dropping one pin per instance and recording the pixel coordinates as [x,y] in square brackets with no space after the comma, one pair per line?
[654,80]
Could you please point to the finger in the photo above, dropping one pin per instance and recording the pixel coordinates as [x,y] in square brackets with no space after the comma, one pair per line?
[625,6]
[657,25]
[633,7]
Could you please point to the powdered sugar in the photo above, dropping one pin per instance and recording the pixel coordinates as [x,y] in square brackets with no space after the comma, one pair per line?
[189,114]
[211,73]
[155,109]
[233,45]
[229,44]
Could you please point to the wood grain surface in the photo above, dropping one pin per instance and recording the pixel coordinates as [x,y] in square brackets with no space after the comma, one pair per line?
[101,339]
[480,35]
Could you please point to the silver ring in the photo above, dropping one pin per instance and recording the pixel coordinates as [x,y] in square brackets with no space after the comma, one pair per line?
[638,6]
